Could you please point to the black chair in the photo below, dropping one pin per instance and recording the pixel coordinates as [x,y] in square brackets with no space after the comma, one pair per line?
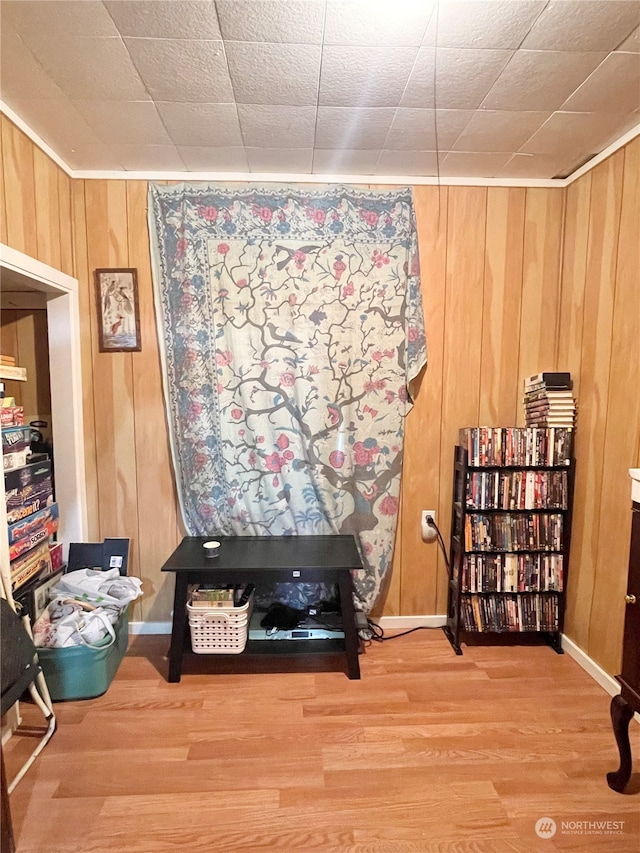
[19,672]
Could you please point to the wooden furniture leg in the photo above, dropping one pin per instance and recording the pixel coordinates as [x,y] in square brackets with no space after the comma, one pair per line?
[179,625]
[6,827]
[347,611]
[621,714]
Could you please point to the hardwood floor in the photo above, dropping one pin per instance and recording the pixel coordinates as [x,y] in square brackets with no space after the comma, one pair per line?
[428,753]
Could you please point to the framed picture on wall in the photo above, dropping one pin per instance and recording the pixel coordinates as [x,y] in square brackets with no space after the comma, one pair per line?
[118,310]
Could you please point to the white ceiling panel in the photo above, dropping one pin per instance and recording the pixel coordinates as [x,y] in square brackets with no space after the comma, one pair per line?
[407,163]
[277,126]
[613,87]
[344,161]
[580,134]
[495,130]
[365,76]
[280,160]
[78,65]
[293,21]
[497,24]
[583,25]
[201,124]
[420,130]
[124,122]
[202,158]
[401,23]
[512,88]
[353,127]
[166,19]
[182,70]
[59,18]
[459,164]
[462,80]
[158,158]
[274,73]
[540,79]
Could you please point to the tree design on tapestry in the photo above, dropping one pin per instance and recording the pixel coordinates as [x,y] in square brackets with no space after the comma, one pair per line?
[288,362]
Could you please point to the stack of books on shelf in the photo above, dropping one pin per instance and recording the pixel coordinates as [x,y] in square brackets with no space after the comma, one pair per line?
[549,401]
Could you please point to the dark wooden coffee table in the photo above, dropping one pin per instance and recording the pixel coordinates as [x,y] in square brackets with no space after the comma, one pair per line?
[268,559]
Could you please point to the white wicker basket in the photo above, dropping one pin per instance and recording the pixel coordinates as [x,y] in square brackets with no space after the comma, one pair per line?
[219,630]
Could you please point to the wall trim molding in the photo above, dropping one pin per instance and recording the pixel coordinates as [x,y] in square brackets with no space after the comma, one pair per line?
[268,177]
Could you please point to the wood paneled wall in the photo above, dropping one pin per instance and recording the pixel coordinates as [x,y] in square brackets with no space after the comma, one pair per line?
[515,280]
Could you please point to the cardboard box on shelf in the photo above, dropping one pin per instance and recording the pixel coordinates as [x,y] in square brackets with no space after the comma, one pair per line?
[11,416]
[30,531]
[15,438]
[27,490]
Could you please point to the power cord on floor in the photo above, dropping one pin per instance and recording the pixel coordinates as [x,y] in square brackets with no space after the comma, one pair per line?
[374,632]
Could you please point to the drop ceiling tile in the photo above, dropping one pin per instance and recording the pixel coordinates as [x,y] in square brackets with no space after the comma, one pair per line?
[580,134]
[294,21]
[351,128]
[631,44]
[280,160]
[201,125]
[20,72]
[424,130]
[89,68]
[613,87]
[495,130]
[71,18]
[583,25]
[153,158]
[344,161]
[423,163]
[274,73]
[170,19]
[58,123]
[534,166]
[540,79]
[199,158]
[361,22]
[498,24]
[182,69]
[124,122]
[276,126]
[364,76]
[466,164]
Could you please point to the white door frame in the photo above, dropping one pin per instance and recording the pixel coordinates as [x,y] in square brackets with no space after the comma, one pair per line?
[63,322]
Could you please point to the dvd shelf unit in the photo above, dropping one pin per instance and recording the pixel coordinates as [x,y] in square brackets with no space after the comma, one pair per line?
[510,532]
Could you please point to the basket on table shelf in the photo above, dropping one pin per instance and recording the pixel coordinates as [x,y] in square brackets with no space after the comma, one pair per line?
[219,630]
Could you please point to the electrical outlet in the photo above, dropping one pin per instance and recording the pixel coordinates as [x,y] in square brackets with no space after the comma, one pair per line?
[426,513]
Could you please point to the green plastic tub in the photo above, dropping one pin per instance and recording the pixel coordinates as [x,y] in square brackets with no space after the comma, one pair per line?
[77,672]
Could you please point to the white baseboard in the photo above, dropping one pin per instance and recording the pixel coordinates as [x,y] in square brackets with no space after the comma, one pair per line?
[405,623]
[149,627]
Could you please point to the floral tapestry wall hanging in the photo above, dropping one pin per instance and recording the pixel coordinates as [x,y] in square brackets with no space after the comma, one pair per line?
[290,324]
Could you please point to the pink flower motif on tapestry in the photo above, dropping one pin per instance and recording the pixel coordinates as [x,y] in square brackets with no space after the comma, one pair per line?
[236,414]
[370,411]
[379,258]
[231,501]
[292,299]
[336,459]
[313,370]
[223,357]
[181,247]
[194,410]
[263,213]
[334,414]
[389,353]
[370,217]
[190,357]
[389,396]
[252,458]
[241,282]
[317,215]
[402,394]
[287,380]
[241,433]
[260,439]
[208,213]
[220,387]
[288,455]
[388,505]
[348,289]
[283,441]
[412,333]
[364,455]
[186,301]
[200,460]
[300,258]
[339,267]
[264,364]
[368,548]
[374,385]
[377,356]
[223,248]
[273,462]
